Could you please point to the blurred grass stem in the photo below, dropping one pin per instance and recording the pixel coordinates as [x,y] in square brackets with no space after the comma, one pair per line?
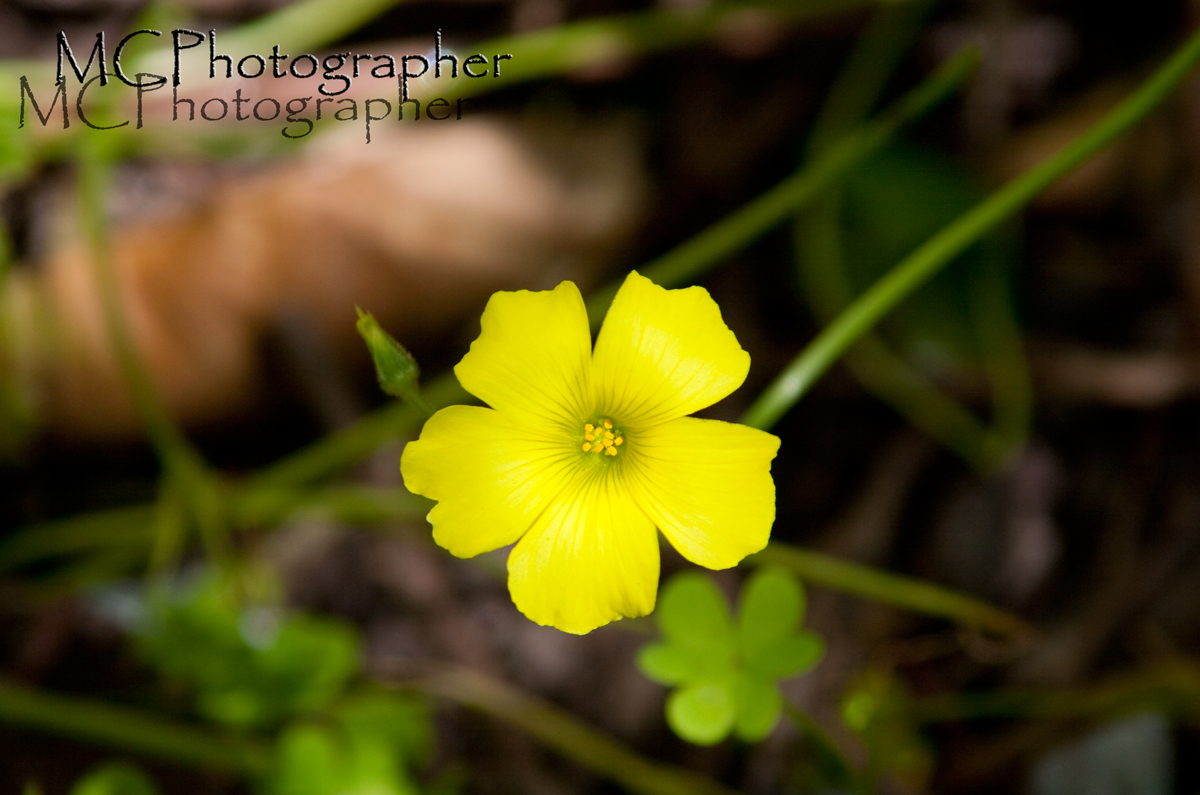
[185,470]
[129,729]
[939,250]
[910,593]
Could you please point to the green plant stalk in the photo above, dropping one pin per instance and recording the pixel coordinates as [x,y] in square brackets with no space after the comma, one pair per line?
[822,267]
[304,25]
[102,529]
[935,253]
[1173,688]
[696,256]
[907,592]
[884,373]
[347,447]
[874,58]
[138,529]
[599,43]
[1004,362]
[821,740]
[560,730]
[299,27]
[183,465]
[131,730]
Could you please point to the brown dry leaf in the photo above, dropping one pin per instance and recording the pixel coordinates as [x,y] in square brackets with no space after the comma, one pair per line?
[419,227]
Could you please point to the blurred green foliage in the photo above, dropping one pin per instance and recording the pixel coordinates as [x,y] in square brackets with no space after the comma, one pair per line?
[366,748]
[115,778]
[250,666]
[878,709]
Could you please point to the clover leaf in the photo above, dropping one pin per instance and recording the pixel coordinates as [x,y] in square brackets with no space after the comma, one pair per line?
[725,672]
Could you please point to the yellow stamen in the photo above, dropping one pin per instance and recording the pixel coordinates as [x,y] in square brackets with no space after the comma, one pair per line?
[600,440]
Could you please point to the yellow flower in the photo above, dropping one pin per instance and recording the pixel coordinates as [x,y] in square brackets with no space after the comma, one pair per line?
[584,453]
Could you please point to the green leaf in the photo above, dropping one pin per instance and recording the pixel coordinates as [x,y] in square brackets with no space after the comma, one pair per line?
[668,663]
[758,706]
[115,778]
[772,608]
[703,713]
[394,366]
[788,656]
[694,614]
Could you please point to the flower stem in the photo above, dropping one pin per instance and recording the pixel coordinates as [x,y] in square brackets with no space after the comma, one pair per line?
[693,258]
[907,592]
[599,42]
[563,732]
[184,468]
[822,742]
[935,253]
[129,730]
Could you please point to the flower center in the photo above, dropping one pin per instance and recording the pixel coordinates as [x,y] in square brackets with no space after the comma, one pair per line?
[602,438]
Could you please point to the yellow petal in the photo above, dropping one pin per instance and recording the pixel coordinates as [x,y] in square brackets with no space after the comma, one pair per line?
[532,360]
[707,485]
[491,476]
[591,558]
[663,354]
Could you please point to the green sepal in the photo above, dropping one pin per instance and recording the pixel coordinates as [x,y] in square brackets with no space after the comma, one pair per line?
[395,367]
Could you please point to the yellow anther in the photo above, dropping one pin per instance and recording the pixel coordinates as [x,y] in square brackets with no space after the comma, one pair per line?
[599,440]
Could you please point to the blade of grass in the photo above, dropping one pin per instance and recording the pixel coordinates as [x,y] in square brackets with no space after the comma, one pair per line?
[129,729]
[908,592]
[790,385]
[560,730]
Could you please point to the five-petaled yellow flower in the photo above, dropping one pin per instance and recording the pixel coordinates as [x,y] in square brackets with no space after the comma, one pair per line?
[584,453]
